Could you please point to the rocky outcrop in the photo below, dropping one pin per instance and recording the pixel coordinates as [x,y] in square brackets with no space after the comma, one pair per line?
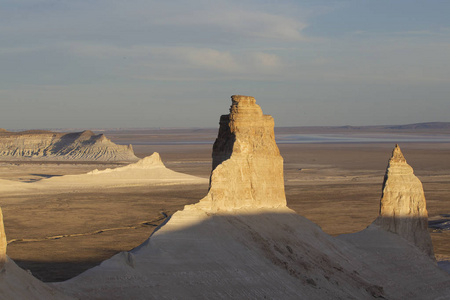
[2,242]
[85,146]
[247,165]
[403,205]
[242,242]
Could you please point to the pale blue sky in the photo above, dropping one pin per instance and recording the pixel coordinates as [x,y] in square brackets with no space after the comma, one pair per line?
[143,63]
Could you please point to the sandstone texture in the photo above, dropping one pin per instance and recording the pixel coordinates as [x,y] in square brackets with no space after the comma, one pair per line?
[84,146]
[247,165]
[2,242]
[403,206]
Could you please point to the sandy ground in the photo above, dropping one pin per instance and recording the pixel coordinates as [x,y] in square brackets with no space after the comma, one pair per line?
[337,186]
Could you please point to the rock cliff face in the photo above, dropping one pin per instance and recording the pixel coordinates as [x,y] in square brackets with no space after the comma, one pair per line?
[2,242]
[247,165]
[72,146]
[403,205]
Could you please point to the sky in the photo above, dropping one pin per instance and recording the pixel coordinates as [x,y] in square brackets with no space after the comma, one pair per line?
[144,63]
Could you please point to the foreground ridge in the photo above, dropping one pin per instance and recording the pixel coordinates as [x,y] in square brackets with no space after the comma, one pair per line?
[403,205]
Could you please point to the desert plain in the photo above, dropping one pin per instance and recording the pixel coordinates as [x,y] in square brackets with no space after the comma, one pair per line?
[57,234]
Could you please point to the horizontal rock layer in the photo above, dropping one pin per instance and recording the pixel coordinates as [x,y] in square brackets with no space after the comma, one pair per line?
[247,165]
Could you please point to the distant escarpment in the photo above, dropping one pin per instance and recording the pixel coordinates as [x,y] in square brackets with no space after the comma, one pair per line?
[47,145]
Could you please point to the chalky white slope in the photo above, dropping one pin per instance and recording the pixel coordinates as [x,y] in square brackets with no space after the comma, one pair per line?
[148,171]
[241,243]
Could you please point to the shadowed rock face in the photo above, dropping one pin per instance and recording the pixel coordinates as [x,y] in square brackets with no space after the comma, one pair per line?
[403,205]
[2,242]
[247,165]
[84,145]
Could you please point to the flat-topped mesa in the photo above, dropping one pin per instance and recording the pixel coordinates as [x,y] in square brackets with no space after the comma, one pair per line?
[2,242]
[403,205]
[247,165]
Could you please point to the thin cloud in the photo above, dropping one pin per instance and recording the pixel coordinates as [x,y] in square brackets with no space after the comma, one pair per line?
[187,58]
[255,24]
[205,58]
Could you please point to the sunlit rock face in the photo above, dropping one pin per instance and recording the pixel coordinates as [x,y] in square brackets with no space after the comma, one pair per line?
[2,242]
[247,165]
[403,205]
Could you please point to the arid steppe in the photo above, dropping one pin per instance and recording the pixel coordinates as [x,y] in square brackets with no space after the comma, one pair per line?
[59,234]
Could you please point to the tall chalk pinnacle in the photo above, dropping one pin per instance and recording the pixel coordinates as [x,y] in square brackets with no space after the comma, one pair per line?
[403,205]
[247,165]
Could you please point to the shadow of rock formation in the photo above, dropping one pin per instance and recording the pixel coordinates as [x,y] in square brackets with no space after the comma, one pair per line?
[16,283]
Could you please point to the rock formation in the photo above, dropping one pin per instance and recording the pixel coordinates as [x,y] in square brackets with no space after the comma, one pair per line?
[247,165]
[85,146]
[403,205]
[2,242]
[242,242]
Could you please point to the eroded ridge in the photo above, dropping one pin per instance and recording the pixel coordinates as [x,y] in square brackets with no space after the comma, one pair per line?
[403,205]
[47,145]
[247,165]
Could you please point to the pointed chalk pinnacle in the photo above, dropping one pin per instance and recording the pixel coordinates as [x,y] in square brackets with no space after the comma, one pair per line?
[403,205]
[397,155]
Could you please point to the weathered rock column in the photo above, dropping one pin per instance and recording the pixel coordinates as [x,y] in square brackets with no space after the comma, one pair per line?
[403,205]
[247,165]
[2,242]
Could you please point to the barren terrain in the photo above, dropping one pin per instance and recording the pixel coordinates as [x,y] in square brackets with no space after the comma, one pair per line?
[336,185]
